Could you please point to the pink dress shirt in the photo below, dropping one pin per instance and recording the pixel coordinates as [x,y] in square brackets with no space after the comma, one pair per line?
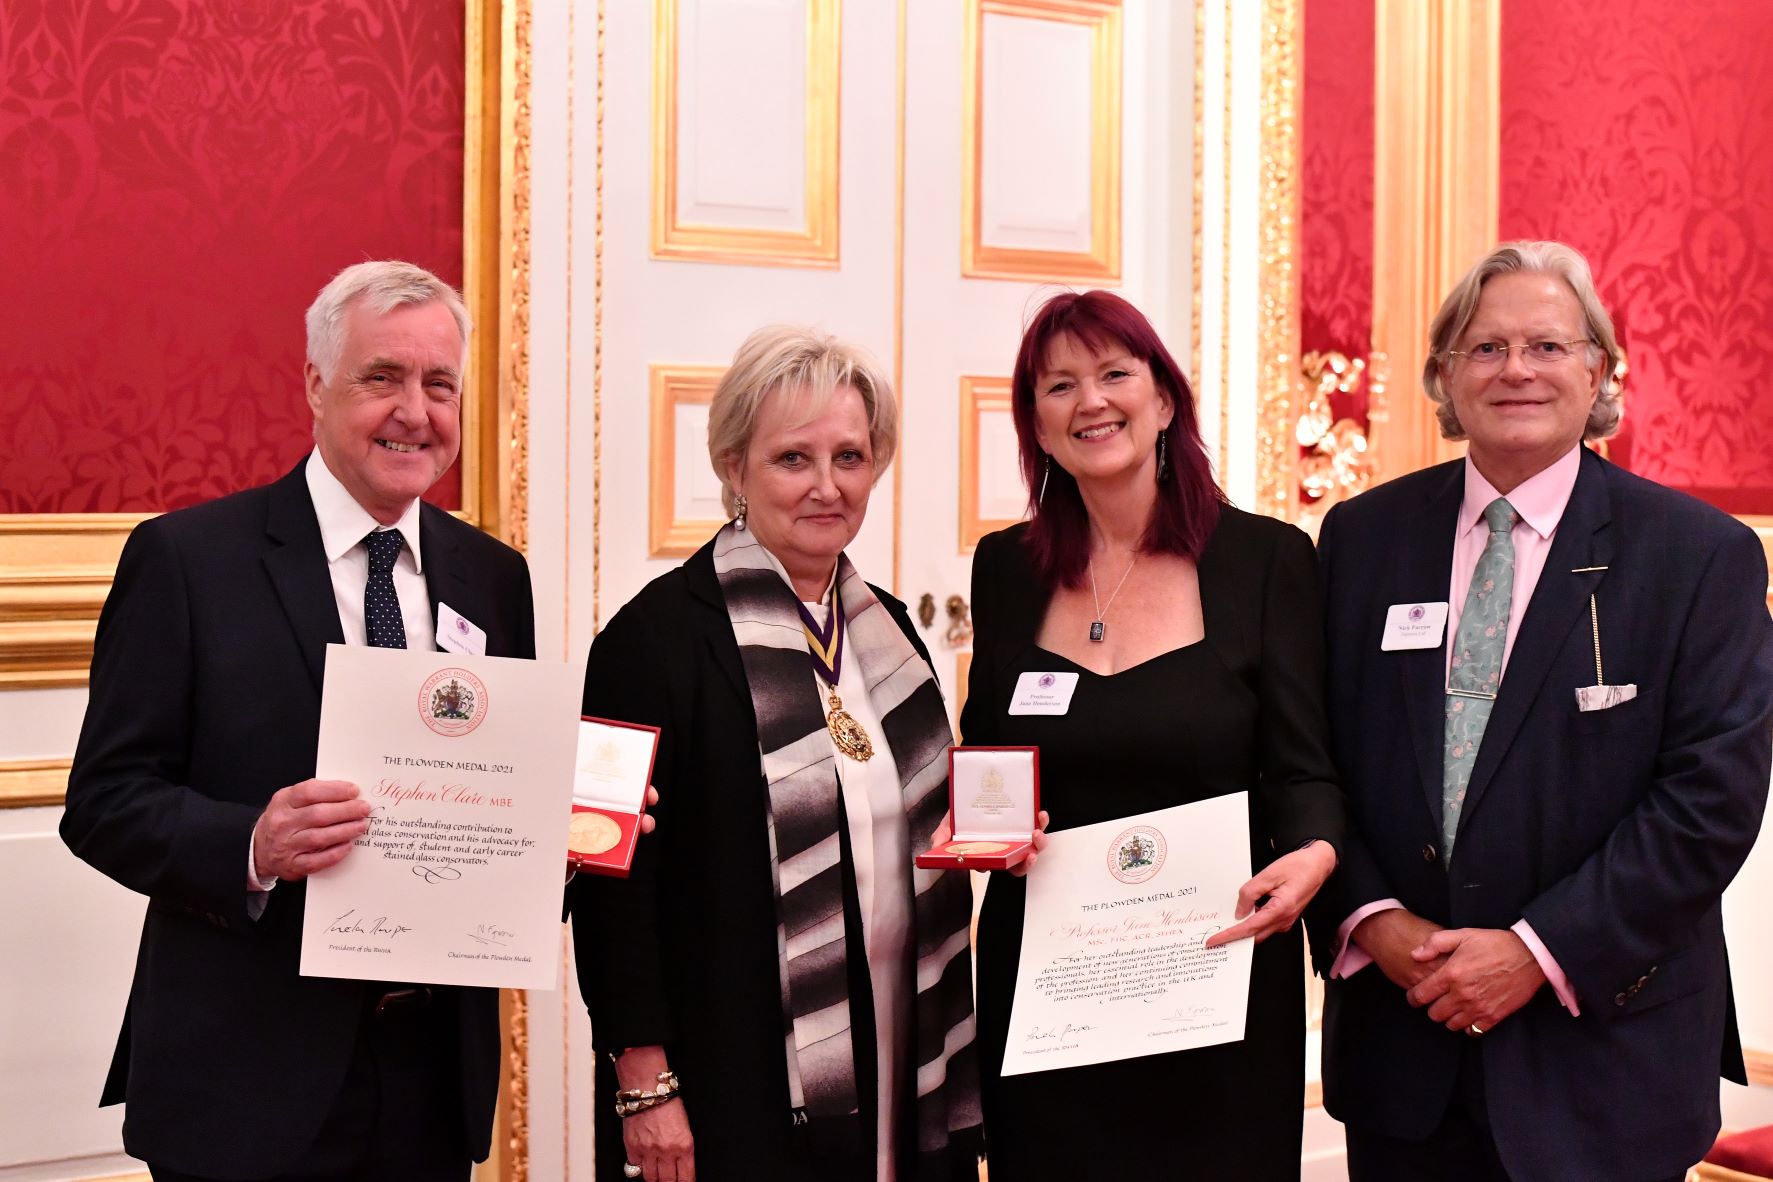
[1540,501]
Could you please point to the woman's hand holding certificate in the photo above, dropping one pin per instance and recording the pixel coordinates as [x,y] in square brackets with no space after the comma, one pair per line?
[1116,960]
[1288,884]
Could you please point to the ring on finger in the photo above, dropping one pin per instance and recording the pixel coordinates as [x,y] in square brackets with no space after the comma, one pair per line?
[630,1170]
[1474,1030]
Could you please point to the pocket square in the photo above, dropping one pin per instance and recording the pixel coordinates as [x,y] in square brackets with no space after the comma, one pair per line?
[1603,697]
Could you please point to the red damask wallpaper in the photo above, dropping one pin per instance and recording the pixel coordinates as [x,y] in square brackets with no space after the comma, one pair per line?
[1336,193]
[1336,247]
[178,178]
[1641,132]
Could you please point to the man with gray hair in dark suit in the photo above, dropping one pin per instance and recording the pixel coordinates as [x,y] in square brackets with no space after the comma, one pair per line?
[194,778]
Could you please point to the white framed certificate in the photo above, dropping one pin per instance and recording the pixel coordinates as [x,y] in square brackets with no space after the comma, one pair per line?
[1113,959]
[468,764]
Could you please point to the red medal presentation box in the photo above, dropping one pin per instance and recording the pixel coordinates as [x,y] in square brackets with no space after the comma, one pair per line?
[993,801]
[613,767]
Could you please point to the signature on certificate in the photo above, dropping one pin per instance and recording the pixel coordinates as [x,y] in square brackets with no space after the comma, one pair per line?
[486,933]
[1183,1015]
[1042,1033]
[436,872]
[350,923]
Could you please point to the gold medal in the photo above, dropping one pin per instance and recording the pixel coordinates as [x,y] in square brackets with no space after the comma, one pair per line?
[847,733]
[978,847]
[592,833]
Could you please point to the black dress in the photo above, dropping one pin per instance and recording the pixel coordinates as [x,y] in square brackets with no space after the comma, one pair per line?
[1239,710]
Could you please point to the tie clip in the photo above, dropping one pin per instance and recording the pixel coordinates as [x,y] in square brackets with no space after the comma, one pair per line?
[1583,570]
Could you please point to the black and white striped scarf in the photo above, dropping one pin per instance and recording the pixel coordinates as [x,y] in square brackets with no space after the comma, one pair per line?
[800,765]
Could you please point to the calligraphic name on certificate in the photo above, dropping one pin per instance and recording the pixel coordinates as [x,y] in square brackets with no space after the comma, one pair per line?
[1113,958]
[467,762]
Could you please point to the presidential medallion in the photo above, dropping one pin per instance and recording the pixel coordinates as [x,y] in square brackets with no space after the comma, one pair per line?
[847,733]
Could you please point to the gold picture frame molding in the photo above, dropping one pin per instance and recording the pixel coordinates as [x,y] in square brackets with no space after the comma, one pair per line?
[1101,263]
[672,386]
[815,244]
[977,395]
[57,568]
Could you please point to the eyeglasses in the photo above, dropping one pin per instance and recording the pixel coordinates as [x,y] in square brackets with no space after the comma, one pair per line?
[1486,355]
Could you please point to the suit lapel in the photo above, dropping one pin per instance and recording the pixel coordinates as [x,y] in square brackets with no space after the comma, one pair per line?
[296,564]
[1584,539]
[722,645]
[1421,576]
[445,581]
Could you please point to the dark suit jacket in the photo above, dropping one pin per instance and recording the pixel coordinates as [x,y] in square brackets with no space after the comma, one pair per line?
[206,679]
[1612,832]
[682,953]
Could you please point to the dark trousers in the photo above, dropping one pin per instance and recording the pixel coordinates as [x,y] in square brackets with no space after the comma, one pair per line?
[1460,1149]
[398,1114]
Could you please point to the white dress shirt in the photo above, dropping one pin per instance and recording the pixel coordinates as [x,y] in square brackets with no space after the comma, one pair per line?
[343,526]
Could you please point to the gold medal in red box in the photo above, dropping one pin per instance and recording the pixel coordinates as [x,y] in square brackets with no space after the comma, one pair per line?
[453,702]
[1137,854]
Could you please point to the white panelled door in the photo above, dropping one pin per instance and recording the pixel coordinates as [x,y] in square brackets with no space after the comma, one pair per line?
[1039,156]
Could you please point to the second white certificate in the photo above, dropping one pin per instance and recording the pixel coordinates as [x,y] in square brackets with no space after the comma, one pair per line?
[1113,958]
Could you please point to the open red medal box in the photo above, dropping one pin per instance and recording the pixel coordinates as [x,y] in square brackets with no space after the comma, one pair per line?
[611,773]
[993,801]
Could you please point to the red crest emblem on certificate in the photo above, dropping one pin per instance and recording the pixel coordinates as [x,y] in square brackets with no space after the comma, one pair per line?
[453,702]
[1137,854]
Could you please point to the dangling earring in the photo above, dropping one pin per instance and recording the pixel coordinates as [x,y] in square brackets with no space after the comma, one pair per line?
[1046,474]
[1163,462]
[739,505]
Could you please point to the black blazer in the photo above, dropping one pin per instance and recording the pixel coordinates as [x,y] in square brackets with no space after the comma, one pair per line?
[1259,600]
[1612,832]
[682,953]
[205,700]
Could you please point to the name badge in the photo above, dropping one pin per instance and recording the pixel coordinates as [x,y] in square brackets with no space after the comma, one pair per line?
[1043,693]
[455,634]
[1414,625]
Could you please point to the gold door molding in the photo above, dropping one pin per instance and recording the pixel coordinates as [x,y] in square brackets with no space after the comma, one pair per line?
[1101,263]
[813,245]
[27,783]
[672,386]
[978,395]
[56,568]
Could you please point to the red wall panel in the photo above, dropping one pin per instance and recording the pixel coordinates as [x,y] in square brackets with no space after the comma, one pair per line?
[1336,193]
[1641,132]
[178,178]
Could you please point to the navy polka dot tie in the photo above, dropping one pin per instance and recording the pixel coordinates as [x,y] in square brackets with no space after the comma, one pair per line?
[381,606]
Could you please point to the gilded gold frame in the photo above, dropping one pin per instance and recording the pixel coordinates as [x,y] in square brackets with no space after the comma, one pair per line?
[1277,327]
[977,395]
[1101,263]
[57,568]
[815,245]
[672,386]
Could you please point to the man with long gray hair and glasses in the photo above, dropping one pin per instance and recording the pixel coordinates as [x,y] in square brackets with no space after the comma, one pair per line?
[1551,699]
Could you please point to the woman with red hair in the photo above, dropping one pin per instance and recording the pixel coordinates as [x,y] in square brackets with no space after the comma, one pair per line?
[1195,636]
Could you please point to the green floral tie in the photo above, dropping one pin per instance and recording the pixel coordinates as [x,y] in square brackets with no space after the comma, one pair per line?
[1476,671]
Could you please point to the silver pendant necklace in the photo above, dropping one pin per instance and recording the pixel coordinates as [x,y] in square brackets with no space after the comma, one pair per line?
[1099,630]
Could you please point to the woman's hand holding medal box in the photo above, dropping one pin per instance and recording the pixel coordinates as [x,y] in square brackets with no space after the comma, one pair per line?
[993,804]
